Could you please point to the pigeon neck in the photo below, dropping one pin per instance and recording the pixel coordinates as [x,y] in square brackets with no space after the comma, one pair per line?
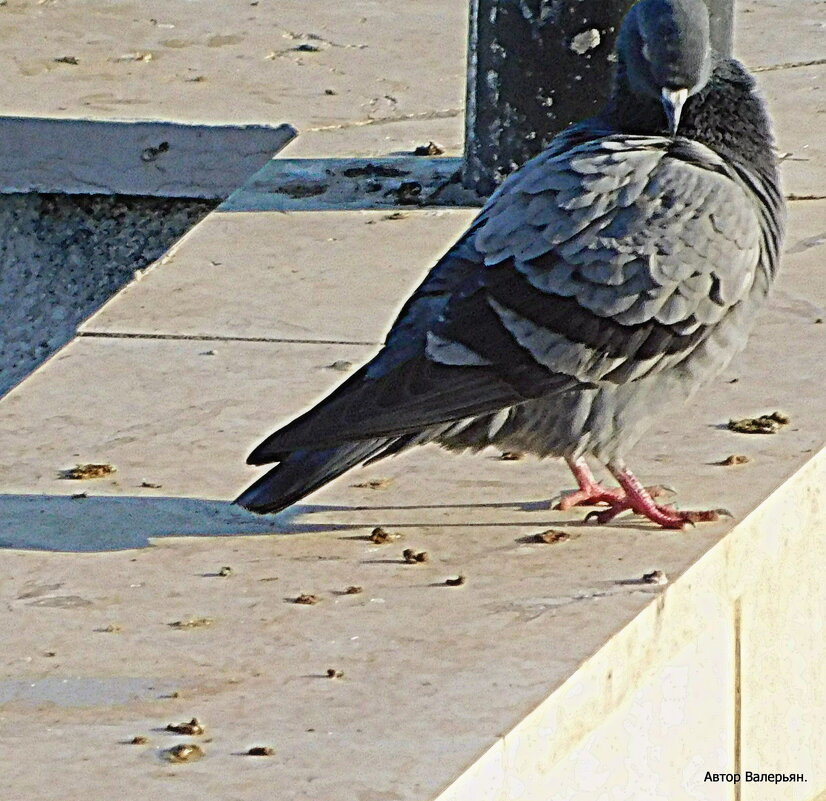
[726,116]
[631,113]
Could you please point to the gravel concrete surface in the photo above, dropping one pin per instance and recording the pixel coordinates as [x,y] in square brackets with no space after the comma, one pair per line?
[62,256]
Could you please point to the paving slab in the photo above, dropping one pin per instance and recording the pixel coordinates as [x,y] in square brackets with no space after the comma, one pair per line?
[258,674]
[782,43]
[343,64]
[797,100]
[371,63]
[772,34]
[304,275]
[143,388]
[167,60]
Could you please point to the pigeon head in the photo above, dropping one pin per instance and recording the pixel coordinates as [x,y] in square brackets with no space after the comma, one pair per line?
[664,52]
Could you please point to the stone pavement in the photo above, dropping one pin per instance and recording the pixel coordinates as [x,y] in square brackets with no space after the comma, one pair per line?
[554,671]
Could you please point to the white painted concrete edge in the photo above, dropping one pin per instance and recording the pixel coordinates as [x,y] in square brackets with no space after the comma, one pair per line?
[733,587]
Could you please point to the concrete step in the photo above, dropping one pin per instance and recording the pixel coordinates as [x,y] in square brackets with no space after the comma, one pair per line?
[133,158]
[213,86]
[552,666]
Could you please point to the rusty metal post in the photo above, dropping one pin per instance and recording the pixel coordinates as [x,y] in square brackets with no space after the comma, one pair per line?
[534,66]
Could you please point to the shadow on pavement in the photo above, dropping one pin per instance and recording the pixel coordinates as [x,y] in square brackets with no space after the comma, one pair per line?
[112,523]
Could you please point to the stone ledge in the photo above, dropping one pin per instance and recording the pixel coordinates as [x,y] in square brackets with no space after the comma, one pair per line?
[725,673]
[554,672]
[77,156]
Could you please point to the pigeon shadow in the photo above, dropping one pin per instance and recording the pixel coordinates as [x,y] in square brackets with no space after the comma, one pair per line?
[113,523]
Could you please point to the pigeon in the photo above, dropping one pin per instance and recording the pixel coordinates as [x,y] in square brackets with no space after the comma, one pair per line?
[602,282]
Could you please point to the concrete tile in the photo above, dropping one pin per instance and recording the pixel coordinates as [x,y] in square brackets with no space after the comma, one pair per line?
[430,681]
[797,102]
[333,276]
[169,60]
[189,399]
[772,34]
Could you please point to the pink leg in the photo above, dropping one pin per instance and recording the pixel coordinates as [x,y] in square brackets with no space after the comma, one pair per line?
[590,491]
[638,499]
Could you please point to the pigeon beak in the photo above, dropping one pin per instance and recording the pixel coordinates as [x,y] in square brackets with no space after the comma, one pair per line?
[673,101]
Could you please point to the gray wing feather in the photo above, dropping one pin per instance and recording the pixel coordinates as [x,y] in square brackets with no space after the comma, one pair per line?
[408,336]
[634,233]
[604,261]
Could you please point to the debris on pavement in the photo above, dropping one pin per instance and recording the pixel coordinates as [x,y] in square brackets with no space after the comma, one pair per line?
[430,149]
[186,752]
[85,472]
[261,750]
[655,577]
[191,623]
[192,727]
[551,536]
[765,424]
[381,536]
[734,459]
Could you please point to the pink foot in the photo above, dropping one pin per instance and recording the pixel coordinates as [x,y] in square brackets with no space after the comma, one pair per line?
[637,499]
[665,516]
[592,493]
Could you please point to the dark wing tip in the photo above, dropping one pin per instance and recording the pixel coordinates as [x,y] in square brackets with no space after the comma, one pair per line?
[261,454]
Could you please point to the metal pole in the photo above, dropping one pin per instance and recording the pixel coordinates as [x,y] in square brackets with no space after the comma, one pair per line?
[534,66]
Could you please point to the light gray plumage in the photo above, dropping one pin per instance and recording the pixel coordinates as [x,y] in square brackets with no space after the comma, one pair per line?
[603,281]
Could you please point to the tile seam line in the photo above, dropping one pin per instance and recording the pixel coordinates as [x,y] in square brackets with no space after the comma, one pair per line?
[416,116]
[219,338]
[790,65]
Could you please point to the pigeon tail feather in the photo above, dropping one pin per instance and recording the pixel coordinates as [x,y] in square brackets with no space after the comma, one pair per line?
[302,472]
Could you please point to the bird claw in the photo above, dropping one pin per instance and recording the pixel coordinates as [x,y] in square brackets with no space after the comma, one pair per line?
[665,516]
[597,494]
